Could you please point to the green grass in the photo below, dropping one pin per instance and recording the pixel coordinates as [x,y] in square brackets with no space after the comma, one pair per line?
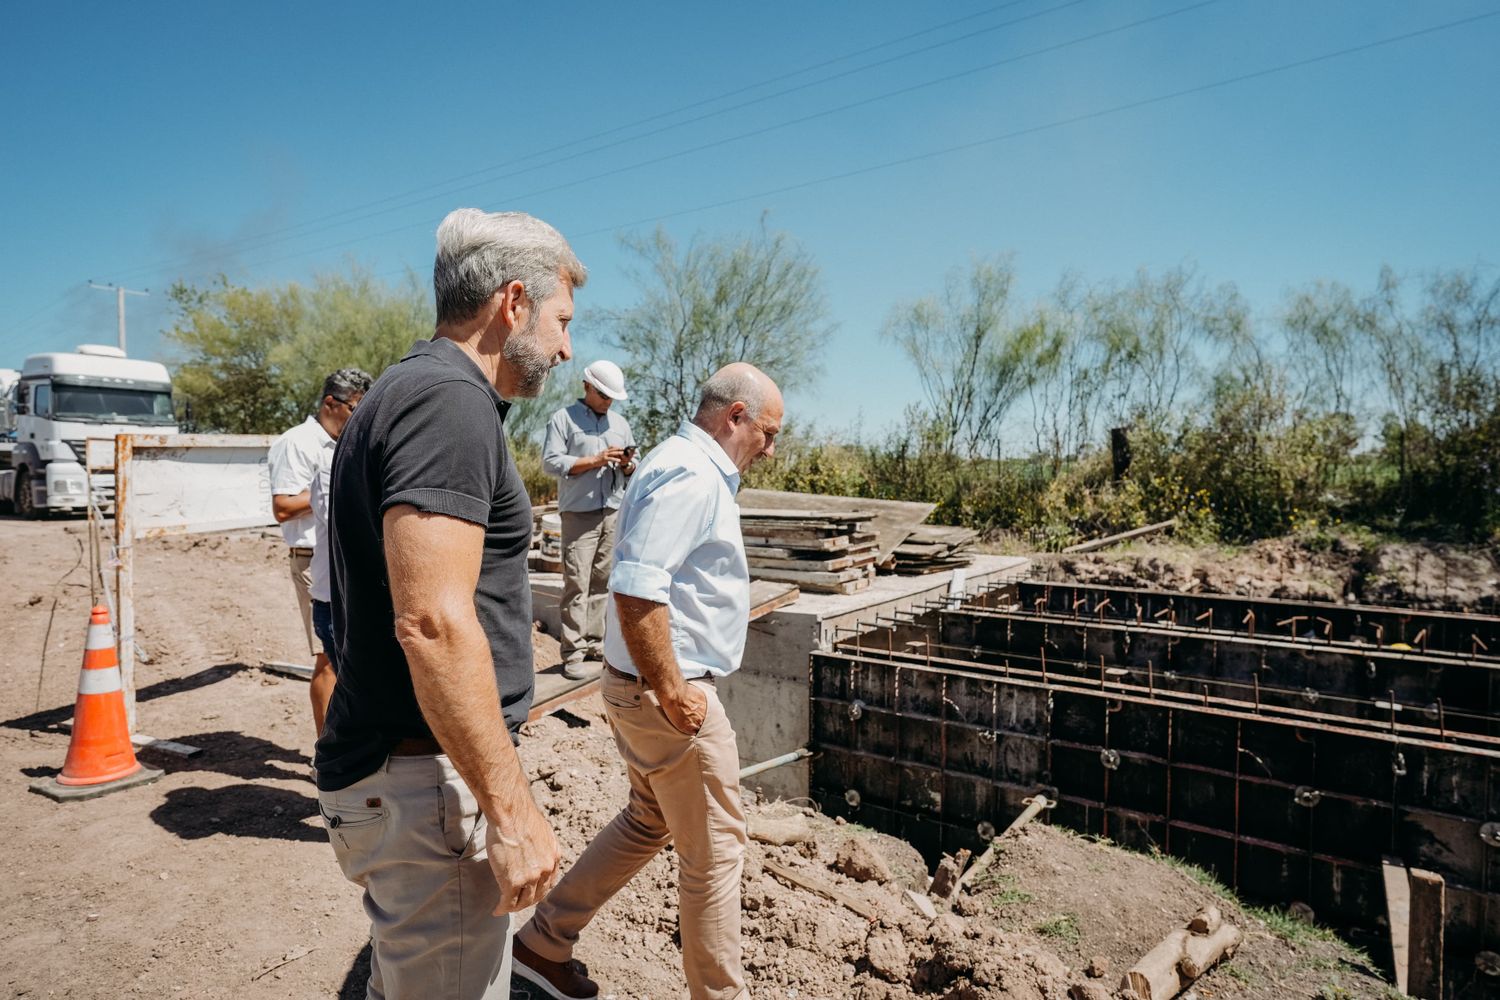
[1289,928]
[1012,897]
[1240,975]
[1202,876]
[1062,927]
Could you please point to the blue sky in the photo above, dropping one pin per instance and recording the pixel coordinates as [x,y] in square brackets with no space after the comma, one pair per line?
[150,142]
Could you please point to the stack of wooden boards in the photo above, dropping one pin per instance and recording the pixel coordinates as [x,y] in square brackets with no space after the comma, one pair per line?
[826,551]
[932,548]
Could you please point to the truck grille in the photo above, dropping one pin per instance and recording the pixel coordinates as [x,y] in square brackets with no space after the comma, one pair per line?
[79,449]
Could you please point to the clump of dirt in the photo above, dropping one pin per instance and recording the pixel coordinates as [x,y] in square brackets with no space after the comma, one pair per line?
[1350,567]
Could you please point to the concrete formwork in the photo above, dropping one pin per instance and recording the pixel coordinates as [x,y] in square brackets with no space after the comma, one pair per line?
[919,736]
[1434,632]
[767,698]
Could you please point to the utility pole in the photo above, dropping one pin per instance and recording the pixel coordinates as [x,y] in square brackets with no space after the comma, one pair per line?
[120,292]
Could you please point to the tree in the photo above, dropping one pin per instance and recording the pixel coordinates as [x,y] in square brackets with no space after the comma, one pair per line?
[756,299]
[1321,324]
[254,360]
[972,359]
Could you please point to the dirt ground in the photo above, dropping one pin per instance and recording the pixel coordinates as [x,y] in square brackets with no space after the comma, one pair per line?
[217,880]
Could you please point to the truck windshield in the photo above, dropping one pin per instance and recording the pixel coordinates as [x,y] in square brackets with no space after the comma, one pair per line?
[111,405]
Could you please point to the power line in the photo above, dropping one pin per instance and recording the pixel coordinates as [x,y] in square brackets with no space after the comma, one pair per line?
[431,192]
[1059,123]
[803,119]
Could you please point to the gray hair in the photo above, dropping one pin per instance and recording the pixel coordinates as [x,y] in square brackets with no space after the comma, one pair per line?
[481,252]
[732,385]
[346,383]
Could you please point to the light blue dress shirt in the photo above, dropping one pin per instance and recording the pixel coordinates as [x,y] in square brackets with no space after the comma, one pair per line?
[678,543]
[575,432]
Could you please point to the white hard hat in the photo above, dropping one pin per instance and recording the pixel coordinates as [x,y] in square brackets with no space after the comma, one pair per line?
[607,378]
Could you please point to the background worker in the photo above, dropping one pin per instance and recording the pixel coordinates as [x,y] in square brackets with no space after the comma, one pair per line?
[591,451]
[424,798]
[676,623]
[295,458]
[320,593]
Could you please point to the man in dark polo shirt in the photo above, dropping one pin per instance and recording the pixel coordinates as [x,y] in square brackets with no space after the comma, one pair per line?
[419,784]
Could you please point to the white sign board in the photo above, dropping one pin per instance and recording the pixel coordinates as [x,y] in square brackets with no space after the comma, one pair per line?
[183,483]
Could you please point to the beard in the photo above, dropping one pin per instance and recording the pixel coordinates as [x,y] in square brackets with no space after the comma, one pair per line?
[523,352]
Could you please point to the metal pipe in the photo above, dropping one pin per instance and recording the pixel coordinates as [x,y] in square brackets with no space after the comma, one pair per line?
[775,762]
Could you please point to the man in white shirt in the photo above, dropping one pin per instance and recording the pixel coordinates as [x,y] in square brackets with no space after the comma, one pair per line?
[676,623]
[589,448]
[295,458]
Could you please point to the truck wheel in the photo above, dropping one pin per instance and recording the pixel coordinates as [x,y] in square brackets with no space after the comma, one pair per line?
[25,502]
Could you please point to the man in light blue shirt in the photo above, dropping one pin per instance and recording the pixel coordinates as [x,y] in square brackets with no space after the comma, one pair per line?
[676,623]
[591,451]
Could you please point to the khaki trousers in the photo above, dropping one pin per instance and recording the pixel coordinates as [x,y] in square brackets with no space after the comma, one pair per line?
[412,836]
[588,549]
[301,564]
[684,789]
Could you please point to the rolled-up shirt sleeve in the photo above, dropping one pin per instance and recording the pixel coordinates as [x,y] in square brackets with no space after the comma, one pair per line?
[555,457]
[292,468]
[667,521]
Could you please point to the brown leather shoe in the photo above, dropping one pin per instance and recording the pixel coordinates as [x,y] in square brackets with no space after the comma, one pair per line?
[559,980]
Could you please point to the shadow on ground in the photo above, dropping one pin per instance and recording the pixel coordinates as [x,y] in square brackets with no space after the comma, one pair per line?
[357,977]
[239,811]
[234,754]
[50,717]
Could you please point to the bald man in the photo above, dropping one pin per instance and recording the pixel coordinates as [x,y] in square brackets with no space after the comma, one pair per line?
[675,624]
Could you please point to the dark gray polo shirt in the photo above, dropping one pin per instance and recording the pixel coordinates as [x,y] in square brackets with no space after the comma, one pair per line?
[428,433]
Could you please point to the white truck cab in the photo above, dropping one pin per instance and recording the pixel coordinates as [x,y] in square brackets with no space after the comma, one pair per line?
[56,403]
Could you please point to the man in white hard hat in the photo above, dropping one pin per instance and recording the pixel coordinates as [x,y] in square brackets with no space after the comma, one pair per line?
[591,451]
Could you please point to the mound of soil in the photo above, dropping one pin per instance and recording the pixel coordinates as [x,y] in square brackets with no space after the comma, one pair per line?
[1349,567]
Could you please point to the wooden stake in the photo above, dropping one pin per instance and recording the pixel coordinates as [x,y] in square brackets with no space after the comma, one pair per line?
[1426,940]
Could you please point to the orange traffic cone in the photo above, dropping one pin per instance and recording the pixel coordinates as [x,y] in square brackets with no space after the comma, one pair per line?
[100,750]
[100,756]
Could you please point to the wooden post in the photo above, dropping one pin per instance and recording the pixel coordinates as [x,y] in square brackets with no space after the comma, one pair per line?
[1119,447]
[1426,942]
[1398,916]
[125,573]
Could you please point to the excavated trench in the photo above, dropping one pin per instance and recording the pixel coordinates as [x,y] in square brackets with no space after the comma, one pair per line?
[1290,748]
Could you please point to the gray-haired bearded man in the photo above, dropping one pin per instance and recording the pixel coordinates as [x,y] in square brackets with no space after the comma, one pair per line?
[420,787]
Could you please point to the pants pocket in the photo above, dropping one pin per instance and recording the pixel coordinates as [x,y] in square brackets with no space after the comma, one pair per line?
[461,820]
[355,833]
[624,696]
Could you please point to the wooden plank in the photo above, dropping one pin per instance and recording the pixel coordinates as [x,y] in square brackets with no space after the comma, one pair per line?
[1124,536]
[943,533]
[568,695]
[812,544]
[843,561]
[922,569]
[791,513]
[804,576]
[822,529]
[1425,942]
[1397,914]
[893,521]
[798,880]
[768,595]
[301,671]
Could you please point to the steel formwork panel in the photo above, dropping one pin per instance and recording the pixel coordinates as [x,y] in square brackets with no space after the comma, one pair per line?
[1438,692]
[1281,808]
[1430,631]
